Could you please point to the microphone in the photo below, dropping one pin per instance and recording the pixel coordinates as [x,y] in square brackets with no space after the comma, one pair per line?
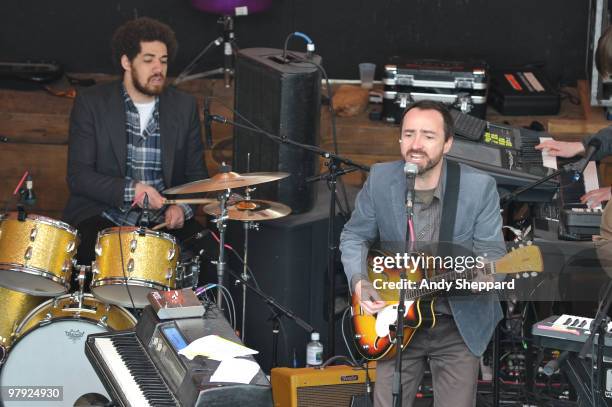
[144,217]
[410,170]
[592,148]
[552,366]
[27,195]
[207,127]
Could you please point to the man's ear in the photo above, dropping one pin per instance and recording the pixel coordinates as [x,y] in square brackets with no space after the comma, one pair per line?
[125,63]
[448,144]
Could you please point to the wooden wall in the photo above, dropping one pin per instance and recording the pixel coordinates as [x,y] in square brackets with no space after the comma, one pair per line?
[36,124]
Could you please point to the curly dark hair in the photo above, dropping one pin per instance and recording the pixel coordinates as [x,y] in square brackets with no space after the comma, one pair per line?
[127,38]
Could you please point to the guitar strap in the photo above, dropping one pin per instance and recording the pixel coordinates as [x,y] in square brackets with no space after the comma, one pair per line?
[449,205]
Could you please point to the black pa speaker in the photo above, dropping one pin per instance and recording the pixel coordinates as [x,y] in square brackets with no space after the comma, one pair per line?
[282,97]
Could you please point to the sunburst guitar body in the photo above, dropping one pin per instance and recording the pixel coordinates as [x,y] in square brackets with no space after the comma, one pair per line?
[375,336]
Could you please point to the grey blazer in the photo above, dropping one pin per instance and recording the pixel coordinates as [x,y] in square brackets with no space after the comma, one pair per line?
[380,215]
[97,150]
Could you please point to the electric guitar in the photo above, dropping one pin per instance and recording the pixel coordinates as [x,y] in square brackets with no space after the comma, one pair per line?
[374,335]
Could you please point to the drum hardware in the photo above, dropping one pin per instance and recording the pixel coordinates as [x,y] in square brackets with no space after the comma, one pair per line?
[224,181]
[193,266]
[222,227]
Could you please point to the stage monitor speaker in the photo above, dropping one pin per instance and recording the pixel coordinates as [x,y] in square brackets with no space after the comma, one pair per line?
[311,387]
[283,98]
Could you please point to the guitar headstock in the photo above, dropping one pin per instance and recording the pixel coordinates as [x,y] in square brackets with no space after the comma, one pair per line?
[525,259]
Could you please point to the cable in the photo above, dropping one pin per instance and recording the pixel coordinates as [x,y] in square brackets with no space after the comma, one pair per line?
[348,348]
[226,295]
[309,44]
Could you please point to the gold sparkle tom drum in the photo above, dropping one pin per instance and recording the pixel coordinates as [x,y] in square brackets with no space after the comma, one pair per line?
[36,255]
[144,260]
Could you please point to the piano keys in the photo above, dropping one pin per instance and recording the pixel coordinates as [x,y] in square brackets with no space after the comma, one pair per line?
[143,367]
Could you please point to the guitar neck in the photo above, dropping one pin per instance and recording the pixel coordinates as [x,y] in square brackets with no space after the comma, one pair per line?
[416,293]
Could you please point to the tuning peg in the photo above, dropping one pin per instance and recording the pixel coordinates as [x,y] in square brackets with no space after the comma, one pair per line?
[529,243]
[534,274]
[513,249]
[521,245]
[518,275]
[526,275]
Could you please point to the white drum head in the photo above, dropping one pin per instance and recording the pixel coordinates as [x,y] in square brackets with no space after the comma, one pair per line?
[117,294]
[54,355]
[33,284]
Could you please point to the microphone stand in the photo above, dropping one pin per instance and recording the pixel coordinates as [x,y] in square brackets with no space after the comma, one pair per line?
[598,327]
[279,311]
[509,197]
[396,388]
[334,163]
[598,324]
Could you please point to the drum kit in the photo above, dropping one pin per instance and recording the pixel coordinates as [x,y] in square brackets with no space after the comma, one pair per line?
[42,339]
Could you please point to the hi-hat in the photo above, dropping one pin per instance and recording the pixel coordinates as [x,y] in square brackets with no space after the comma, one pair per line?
[226,180]
[251,210]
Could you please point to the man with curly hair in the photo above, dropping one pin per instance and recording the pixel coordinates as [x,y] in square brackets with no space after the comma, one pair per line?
[133,138]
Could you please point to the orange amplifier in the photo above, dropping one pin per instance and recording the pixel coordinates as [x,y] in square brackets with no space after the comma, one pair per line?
[311,387]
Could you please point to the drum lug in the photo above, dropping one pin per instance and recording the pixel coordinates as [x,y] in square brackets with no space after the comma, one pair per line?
[46,320]
[67,266]
[70,247]
[130,266]
[94,268]
[133,244]
[28,253]
[171,253]
[33,233]
[98,248]
[169,274]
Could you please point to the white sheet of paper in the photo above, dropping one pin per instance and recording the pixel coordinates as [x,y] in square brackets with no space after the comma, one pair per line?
[548,160]
[216,348]
[235,370]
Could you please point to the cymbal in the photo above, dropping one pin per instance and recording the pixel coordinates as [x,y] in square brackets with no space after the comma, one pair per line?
[251,210]
[226,180]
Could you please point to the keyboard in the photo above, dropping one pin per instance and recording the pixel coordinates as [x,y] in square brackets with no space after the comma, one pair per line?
[142,367]
[567,332]
[507,153]
[141,383]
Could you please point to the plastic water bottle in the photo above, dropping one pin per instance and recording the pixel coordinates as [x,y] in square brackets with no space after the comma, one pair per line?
[314,350]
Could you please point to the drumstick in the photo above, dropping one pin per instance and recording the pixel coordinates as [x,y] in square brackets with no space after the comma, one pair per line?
[160,226]
[194,201]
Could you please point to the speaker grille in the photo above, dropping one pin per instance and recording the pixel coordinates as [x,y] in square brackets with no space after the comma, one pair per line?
[335,395]
[283,99]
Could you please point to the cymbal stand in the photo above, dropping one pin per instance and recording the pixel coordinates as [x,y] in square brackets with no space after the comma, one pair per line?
[222,227]
[245,275]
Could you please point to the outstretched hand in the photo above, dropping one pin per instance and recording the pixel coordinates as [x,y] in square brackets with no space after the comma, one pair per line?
[564,149]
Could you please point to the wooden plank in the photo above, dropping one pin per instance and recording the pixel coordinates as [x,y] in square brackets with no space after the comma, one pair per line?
[46,164]
[37,128]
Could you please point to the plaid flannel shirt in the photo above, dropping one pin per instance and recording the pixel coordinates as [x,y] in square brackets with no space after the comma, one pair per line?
[143,165]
